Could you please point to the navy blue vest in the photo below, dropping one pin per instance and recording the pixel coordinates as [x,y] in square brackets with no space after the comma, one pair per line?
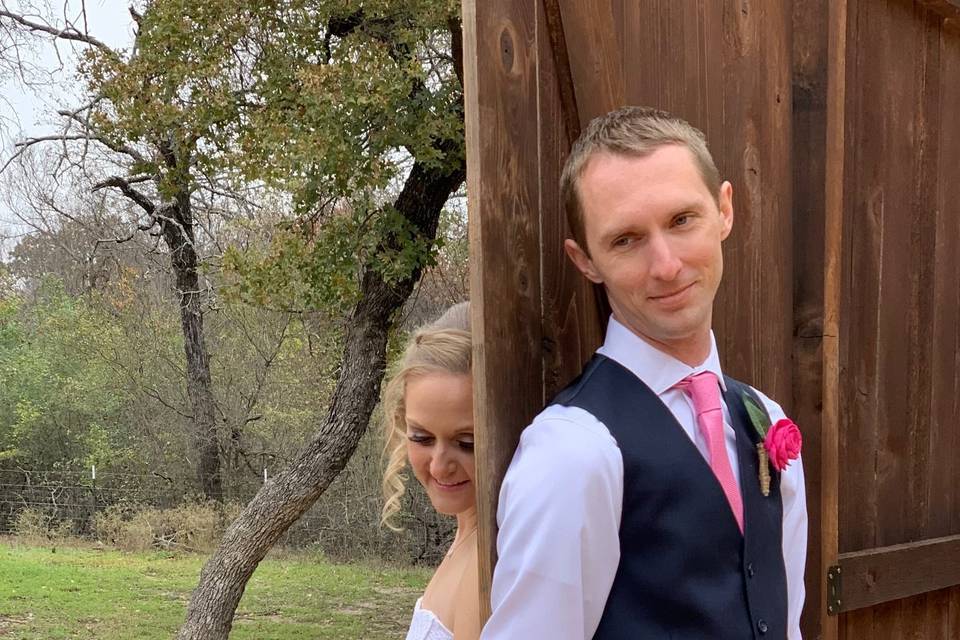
[686,571]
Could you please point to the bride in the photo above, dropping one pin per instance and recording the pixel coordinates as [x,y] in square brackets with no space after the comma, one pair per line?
[428,416]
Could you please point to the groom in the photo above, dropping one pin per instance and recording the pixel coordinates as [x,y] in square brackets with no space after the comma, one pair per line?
[634,506]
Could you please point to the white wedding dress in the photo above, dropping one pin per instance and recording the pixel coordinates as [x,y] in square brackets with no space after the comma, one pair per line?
[426,626]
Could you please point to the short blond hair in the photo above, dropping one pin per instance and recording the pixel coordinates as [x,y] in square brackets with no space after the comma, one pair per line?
[635,132]
[442,346]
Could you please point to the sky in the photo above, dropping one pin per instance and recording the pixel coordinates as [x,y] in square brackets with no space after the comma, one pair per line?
[31,112]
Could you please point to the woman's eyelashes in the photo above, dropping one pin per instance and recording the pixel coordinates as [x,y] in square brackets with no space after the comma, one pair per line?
[419,438]
[427,440]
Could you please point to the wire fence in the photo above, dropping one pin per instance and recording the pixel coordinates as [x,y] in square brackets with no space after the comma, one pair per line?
[344,523]
[75,497]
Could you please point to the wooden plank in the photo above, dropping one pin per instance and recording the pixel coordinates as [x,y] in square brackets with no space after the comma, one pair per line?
[954,614]
[556,61]
[899,571]
[888,619]
[754,311]
[503,192]
[868,461]
[868,452]
[573,324]
[945,490]
[924,521]
[596,56]
[834,270]
[809,87]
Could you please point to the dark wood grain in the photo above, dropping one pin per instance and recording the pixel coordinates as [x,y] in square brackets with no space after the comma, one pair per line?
[891,342]
[945,488]
[810,47]
[503,199]
[555,69]
[595,54]
[838,73]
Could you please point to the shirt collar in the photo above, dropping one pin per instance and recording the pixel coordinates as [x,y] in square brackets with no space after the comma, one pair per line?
[655,368]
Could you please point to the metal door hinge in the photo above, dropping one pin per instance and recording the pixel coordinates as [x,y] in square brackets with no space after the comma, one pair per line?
[833,590]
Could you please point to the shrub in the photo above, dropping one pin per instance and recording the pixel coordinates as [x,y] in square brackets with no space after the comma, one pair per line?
[193,526]
[37,526]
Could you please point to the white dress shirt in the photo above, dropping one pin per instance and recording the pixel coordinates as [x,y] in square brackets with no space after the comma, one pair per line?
[561,499]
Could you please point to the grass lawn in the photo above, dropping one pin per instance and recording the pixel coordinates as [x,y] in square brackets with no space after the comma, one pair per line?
[74,592]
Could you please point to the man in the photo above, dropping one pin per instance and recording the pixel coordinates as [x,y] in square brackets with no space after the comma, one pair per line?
[633,507]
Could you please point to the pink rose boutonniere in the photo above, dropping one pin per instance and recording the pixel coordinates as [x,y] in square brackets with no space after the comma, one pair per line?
[780,443]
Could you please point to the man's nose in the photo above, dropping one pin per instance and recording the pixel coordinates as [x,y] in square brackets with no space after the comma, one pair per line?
[664,263]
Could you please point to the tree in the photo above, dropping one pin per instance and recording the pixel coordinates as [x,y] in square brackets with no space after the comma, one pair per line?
[148,153]
[390,267]
[355,110]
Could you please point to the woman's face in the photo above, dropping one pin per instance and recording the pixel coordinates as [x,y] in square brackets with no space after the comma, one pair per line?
[439,416]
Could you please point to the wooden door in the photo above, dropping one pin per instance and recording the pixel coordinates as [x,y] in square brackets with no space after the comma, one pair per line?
[892,381]
[838,123]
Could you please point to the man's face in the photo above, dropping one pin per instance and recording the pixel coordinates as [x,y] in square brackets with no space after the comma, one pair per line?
[654,230]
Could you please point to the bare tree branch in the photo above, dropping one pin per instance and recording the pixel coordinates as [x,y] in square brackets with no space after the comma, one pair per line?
[68,32]
[91,134]
[23,145]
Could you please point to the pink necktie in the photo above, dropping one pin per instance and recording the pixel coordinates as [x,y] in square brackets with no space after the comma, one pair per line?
[704,390]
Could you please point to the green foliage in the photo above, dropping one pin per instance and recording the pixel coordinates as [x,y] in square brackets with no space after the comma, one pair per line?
[329,101]
[98,380]
[59,406]
[758,415]
[297,271]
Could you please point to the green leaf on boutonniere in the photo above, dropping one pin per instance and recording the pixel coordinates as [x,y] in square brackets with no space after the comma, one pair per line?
[758,415]
[761,422]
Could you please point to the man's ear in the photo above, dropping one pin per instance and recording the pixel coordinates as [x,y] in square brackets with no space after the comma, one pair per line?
[582,261]
[725,204]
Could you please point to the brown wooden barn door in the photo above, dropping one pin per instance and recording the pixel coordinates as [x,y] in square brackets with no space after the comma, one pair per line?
[892,318]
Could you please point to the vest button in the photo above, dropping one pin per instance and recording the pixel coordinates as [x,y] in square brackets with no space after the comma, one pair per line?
[750,571]
[762,626]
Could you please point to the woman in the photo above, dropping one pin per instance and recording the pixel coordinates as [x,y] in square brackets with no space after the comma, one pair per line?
[428,415]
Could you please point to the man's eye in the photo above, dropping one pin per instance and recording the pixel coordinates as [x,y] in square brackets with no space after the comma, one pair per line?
[681,219]
[622,241]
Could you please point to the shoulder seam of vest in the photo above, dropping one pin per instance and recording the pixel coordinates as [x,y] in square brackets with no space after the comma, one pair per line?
[582,381]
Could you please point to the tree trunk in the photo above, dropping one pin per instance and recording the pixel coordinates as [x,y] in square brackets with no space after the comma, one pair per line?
[177,227]
[291,493]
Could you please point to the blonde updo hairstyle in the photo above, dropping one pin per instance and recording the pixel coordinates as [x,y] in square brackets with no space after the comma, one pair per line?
[443,346]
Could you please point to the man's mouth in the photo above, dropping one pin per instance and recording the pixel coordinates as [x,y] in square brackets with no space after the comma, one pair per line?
[666,297]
